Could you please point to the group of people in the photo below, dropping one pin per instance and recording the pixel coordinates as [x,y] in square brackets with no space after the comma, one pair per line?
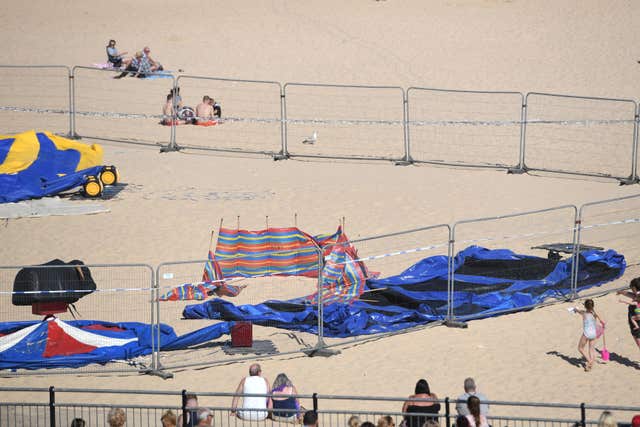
[174,112]
[139,65]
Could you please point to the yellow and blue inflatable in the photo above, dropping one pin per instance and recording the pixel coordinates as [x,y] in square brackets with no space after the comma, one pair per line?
[38,164]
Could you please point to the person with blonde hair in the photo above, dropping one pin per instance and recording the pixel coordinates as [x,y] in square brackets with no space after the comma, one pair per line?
[284,399]
[169,419]
[606,420]
[116,417]
[386,421]
[354,421]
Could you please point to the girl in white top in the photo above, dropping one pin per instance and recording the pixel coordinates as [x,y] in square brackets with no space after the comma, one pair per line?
[475,418]
[589,333]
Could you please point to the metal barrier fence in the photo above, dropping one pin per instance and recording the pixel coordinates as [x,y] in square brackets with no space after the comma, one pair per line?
[36,97]
[462,127]
[60,408]
[252,112]
[345,121]
[103,107]
[580,135]
[555,133]
[125,293]
[523,232]
[266,337]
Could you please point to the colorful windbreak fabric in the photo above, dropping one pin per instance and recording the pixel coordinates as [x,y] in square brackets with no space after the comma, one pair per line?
[241,254]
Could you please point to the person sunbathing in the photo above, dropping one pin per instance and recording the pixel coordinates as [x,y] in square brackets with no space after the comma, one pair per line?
[114,57]
[204,112]
[153,64]
[169,113]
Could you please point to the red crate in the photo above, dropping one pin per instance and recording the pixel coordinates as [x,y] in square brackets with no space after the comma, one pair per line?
[242,334]
[49,308]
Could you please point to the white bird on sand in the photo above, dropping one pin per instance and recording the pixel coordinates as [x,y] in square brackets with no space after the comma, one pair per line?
[312,139]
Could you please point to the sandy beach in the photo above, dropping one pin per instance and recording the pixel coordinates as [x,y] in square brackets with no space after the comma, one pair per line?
[172,201]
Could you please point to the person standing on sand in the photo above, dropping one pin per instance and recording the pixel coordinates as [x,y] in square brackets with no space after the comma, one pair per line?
[632,293]
[589,334]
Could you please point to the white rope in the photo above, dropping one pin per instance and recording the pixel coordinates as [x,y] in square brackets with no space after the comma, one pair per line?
[332,122]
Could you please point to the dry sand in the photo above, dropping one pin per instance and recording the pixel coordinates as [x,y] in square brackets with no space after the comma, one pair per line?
[173,201]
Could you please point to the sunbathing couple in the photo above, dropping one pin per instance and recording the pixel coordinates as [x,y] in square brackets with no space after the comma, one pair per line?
[205,114]
[141,65]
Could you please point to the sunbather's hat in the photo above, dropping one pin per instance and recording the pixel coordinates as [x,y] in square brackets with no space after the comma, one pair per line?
[635,421]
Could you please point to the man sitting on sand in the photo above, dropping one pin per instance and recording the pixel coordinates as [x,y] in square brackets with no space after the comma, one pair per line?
[470,390]
[204,112]
[154,65]
[253,408]
[169,113]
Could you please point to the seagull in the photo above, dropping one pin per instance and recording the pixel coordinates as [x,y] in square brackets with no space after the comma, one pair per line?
[312,139]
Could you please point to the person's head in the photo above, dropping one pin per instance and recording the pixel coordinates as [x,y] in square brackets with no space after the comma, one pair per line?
[138,54]
[473,404]
[588,305]
[469,385]
[205,416]
[635,284]
[169,419]
[146,50]
[422,387]
[78,422]
[192,400]
[462,421]
[112,43]
[255,369]
[386,421]
[354,421]
[116,417]
[635,421]
[606,420]
[169,97]
[431,423]
[206,99]
[281,382]
[367,424]
[310,419]
[212,101]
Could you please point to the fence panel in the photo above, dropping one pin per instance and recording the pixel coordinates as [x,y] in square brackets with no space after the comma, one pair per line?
[522,233]
[35,97]
[346,122]
[24,415]
[123,110]
[251,115]
[613,224]
[384,256]
[267,338]
[470,128]
[579,135]
[124,294]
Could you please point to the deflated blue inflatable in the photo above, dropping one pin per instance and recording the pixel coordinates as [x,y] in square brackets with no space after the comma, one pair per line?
[487,282]
[38,164]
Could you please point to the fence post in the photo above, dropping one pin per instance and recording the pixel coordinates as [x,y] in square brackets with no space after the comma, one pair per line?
[284,151]
[447,411]
[406,160]
[173,145]
[583,415]
[52,406]
[184,409]
[315,402]
[72,105]
[634,152]
[575,265]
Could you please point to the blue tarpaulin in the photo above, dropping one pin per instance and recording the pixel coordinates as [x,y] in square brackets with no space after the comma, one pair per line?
[486,282]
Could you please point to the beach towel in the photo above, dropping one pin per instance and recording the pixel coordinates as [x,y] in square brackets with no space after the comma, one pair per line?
[207,123]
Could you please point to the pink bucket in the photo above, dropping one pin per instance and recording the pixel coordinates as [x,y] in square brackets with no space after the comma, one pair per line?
[604,353]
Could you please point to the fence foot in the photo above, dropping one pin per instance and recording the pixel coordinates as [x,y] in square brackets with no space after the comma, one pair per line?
[629,181]
[169,148]
[452,323]
[404,162]
[516,171]
[159,373]
[281,156]
[320,350]
[73,136]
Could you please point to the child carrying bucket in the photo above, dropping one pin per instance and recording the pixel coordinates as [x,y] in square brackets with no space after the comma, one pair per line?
[589,333]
